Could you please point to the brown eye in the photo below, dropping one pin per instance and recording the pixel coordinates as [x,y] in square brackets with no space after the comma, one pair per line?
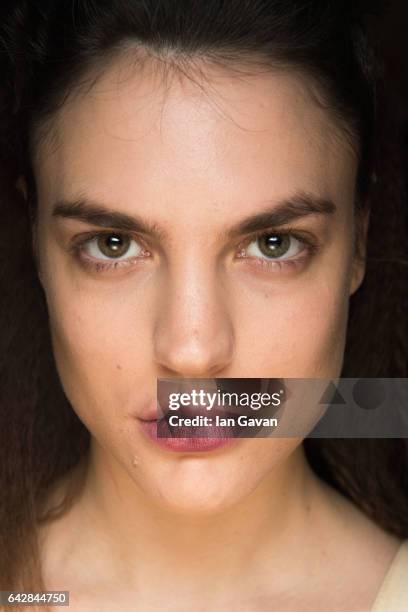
[113,245]
[274,245]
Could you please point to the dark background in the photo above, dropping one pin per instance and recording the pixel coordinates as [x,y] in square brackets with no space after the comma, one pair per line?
[391,34]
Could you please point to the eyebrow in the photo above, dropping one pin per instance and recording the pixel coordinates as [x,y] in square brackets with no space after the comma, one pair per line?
[285,211]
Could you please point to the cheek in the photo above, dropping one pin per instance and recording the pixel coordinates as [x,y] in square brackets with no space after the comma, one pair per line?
[301,328]
[101,350]
[315,327]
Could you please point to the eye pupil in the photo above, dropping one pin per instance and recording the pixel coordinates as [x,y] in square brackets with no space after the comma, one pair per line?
[274,245]
[113,244]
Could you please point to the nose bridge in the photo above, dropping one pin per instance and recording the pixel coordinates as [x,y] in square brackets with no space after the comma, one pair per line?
[193,333]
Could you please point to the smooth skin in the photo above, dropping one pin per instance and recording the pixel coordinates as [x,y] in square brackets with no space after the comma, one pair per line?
[246,528]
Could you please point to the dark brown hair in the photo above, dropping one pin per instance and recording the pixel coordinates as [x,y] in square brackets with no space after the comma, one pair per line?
[47,49]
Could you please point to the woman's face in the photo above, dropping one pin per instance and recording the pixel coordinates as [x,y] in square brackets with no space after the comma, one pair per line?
[191,290]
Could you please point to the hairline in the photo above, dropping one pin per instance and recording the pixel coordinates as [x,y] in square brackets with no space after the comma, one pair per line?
[239,63]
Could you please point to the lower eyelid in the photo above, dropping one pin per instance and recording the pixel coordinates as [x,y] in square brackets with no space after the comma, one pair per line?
[100,265]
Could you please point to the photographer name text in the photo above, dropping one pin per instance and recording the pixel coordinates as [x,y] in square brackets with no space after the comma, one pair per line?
[242,420]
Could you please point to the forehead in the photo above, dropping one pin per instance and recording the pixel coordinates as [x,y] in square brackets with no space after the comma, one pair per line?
[223,137]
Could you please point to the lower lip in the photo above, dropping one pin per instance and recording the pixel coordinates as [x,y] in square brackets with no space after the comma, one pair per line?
[185,445]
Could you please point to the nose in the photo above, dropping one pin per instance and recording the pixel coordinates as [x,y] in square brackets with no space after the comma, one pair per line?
[193,332]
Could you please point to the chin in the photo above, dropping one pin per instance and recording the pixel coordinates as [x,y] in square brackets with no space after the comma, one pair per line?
[186,491]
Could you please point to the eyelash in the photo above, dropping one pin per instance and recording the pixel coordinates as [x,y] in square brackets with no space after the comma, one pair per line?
[311,247]
[99,266]
[310,243]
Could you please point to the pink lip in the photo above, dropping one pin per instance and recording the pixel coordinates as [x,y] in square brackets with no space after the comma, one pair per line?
[183,445]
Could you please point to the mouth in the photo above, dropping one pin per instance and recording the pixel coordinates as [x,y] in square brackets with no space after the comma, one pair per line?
[160,409]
